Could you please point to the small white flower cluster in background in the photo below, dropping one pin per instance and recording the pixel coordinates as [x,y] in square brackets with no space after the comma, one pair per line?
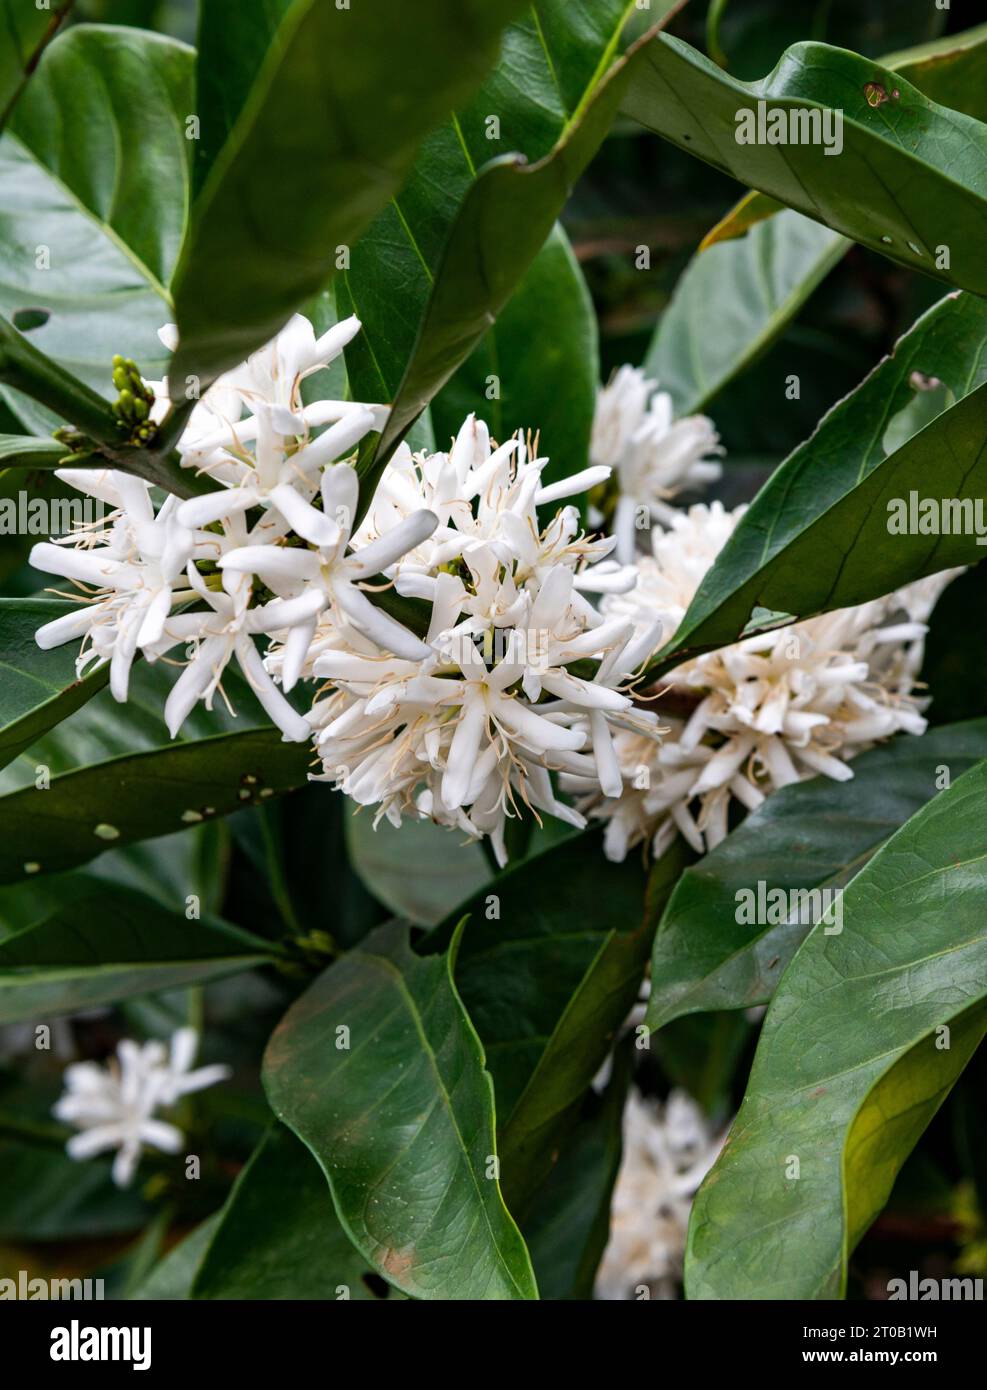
[653,455]
[668,1150]
[113,1107]
[516,674]
[766,711]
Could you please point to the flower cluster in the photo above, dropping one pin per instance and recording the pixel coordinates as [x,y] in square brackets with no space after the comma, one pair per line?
[654,456]
[764,712]
[113,1107]
[507,671]
[522,675]
[668,1150]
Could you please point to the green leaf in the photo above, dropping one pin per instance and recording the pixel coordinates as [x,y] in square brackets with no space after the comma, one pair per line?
[171,1279]
[815,834]
[569,1222]
[403,1094]
[816,536]
[951,70]
[911,175]
[542,358]
[278,1235]
[111,217]
[47,1196]
[733,300]
[852,1063]
[414,870]
[547,984]
[27,29]
[551,57]
[498,229]
[25,451]
[111,943]
[38,688]
[231,46]
[325,137]
[138,796]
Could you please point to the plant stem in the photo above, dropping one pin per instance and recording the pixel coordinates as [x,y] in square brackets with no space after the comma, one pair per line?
[30,371]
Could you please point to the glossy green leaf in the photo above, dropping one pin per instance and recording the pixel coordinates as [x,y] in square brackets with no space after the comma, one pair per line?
[866,1033]
[547,985]
[325,137]
[91,227]
[553,57]
[815,834]
[171,1279]
[47,1196]
[499,228]
[278,1235]
[541,358]
[27,30]
[26,451]
[109,943]
[37,688]
[399,1112]
[165,870]
[816,536]
[951,70]
[550,57]
[414,870]
[231,46]
[569,1221]
[733,300]
[138,796]
[105,729]
[910,177]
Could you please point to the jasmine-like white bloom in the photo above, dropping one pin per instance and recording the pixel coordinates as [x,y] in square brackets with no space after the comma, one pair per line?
[270,380]
[517,676]
[654,456]
[668,1150]
[113,1107]
[472,733]
[130,573]
[769,710]
[328,572]
[486,498]
[186,576]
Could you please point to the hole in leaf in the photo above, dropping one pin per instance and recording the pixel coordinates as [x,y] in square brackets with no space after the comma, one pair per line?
[26,319]
[931,398]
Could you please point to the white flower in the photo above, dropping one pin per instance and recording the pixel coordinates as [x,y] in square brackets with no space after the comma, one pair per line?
[769,710]
[132,573]
[113,1106]
[199,556]
[328,573]
[518,677]
[668,1150]
[471,733]
[269,380]
[655,456]
[483,496]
